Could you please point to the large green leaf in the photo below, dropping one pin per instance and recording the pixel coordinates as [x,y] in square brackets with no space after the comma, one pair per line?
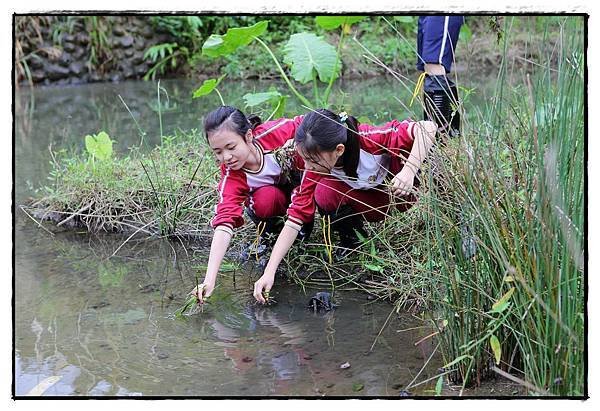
[333,22]
[99,145]
[221,45]
[278,107]
[256,99]
[306,53]
[207,87]
[275,100]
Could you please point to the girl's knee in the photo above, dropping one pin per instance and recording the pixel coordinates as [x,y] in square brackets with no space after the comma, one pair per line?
[268,201]
[330,194]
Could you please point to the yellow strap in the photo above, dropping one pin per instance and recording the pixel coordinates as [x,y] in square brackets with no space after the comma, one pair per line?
[260,228]
[329,239]
[326,226]
[418,87]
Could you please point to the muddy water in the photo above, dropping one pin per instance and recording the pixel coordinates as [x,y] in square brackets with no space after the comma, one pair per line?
[104,326]
[91,323]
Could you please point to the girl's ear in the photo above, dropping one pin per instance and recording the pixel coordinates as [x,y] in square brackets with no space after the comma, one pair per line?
[339,149]
[249,136]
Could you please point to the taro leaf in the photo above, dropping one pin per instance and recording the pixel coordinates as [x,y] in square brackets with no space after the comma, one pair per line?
[279,107]
[273,97]
[207,87]
[223,45]
[99,145]
[502,303]
[438,385]
[306,52]
[495,344]
[256,99]
[333,22]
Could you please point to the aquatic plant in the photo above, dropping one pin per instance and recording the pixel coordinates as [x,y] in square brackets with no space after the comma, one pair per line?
[517,181]
[309,57]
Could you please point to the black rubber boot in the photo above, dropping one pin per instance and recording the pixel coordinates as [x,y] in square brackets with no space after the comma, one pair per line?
[441,104]
[348,225]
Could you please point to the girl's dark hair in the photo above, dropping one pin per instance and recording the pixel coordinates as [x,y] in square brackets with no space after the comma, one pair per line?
[322,130]
[232,118]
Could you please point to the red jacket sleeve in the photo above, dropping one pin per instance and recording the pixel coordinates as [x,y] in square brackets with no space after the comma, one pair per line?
[274,134]
[233,191]
[394,137]
[302,207]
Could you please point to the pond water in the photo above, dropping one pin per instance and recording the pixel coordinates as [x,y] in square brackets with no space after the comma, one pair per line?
[92,324]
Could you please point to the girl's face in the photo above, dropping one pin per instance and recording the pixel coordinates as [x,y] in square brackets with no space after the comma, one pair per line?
[323,161]
[230,148]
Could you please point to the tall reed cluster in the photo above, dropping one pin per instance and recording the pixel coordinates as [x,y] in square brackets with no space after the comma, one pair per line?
[507,231]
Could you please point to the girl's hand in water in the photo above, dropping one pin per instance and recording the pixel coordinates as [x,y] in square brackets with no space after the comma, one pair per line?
[402,183]
[263,283]
[203,291]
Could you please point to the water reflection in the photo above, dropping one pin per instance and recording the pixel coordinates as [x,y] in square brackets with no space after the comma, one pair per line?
[116,334]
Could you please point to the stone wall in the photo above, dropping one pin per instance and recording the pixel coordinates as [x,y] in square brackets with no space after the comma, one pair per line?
[58,49]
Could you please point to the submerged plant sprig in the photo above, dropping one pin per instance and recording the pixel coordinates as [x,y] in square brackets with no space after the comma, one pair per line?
[187,307]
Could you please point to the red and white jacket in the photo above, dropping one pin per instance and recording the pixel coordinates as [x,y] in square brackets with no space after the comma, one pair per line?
[236,186]
[377,146]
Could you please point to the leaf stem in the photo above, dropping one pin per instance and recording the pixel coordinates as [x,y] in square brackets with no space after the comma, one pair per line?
[220,96]
[285,77]
[337,59]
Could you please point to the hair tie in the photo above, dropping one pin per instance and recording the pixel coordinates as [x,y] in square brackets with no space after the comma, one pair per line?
[343,116]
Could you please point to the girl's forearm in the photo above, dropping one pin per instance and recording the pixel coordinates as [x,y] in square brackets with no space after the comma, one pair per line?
[282,245]
[218,247]
[424,132]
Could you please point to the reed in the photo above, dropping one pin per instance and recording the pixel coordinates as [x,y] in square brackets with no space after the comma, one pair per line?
[513,187]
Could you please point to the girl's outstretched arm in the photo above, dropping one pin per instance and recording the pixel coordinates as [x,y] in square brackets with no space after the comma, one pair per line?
[218,247]
[284,243]
[424,134]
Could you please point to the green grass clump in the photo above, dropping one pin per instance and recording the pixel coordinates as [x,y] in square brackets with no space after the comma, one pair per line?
[166,191]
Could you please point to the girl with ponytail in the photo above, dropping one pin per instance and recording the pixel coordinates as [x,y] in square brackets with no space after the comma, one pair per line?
[346,168]
[258,166]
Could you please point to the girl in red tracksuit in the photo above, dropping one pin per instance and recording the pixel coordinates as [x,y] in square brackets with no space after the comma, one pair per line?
[346,167]
[258,164]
